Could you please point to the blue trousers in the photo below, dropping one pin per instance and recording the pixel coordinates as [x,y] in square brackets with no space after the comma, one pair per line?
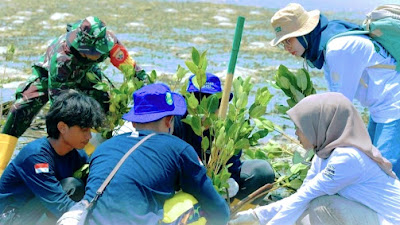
[386,137]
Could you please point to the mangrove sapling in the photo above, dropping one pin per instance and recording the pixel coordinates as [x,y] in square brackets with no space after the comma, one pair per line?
[296,85]
[290,166]
[120,97]
[240,130]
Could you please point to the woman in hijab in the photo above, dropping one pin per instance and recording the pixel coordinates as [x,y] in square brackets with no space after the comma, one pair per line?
[356,183]
[352,65]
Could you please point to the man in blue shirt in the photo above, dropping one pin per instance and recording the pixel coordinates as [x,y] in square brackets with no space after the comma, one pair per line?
[158,168]
[39,180]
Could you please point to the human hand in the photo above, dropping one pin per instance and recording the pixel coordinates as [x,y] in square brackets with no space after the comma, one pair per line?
[247,217]
[76,215]
[233,187]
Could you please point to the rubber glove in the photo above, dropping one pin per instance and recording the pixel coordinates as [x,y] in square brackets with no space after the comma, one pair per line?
[233,187]
[76,215]
[247,217]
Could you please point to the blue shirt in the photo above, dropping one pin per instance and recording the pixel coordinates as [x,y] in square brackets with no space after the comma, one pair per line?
[149,176]
[36,172]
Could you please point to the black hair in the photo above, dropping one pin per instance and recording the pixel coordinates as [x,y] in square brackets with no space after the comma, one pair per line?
[200,95]
[73,108]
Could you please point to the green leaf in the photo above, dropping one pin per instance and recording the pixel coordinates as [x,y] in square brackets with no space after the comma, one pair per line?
[92,77]
[202,109]
[295,184]
[200,79]
[220,140]
[127,70]
[242,144]
[297,158]
[284,82]
[261,133]
[291,102]
[233,130]
[188,119]
[309,155]
[152,77]
[241,102]
[192,102]
[191,66]
[263,96]
[301,79]
[250,153]
[260,155]
[282,109]
[269,125]
[81,172]
[297,95]
[203,61]
[213,103]
[257,111]
[297,167]
[205,143]
[195,56]
[196,125]
[181,72]
[284,71]
[101,87]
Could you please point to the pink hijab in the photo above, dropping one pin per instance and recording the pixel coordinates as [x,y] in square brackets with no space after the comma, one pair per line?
[330,120]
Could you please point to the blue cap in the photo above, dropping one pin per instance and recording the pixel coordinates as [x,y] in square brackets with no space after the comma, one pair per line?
[212,85]
[153,102]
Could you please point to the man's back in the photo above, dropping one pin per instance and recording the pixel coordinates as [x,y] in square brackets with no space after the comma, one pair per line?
[150,175]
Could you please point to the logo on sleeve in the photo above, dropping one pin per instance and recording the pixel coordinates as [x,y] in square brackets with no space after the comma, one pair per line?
[41,168]
[119,55]
[329,171]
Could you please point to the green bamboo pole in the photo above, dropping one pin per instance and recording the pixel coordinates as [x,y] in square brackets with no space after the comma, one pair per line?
[231,67]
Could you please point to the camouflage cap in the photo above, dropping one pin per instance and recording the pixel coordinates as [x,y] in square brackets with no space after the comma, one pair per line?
[90,37]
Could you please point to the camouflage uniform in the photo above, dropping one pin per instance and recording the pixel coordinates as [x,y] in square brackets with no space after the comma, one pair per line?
[64,67]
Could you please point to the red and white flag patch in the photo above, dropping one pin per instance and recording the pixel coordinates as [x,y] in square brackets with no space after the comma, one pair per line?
[42,168]
[201,163]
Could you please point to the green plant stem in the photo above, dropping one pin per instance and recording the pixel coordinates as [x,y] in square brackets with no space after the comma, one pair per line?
[289,138]
[259,192]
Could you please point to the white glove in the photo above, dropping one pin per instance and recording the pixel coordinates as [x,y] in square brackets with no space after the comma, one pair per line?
[76,214]
[233,187]
[247,217]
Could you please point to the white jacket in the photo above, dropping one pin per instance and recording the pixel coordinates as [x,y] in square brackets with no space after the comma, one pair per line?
[347,172]
[347,70]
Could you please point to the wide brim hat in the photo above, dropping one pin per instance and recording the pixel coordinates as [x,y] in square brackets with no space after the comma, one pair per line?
[90,37]
[293,21]
[212,85]
[153,102]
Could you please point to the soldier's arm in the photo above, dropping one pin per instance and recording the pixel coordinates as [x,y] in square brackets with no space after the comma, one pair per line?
[58,74]
[119,57]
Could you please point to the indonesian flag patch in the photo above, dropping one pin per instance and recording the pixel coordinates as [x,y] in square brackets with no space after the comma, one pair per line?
[42,168]
[201,163]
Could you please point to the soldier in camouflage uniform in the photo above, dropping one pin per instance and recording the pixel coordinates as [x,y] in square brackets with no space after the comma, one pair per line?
[64,66]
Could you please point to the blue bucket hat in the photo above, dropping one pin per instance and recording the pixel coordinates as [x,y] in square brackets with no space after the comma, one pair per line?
[153,102]
[212,85]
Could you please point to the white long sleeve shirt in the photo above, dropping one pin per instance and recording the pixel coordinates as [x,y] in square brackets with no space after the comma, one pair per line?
[347,70]
[347,172]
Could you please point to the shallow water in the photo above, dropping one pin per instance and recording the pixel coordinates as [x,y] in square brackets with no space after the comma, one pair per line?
[160,35]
